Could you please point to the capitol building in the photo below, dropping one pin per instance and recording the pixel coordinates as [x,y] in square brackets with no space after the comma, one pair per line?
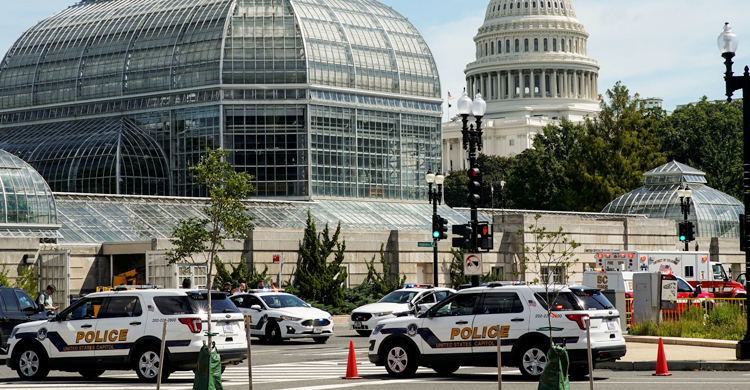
[532,68]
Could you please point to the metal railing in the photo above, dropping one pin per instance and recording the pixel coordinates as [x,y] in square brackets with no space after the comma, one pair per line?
[691,307]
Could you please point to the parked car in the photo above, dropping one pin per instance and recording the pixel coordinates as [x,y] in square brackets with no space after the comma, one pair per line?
[16,307]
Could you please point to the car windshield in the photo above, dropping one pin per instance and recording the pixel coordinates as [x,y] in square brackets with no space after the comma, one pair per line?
[593,300]
[399,297]
[281,300]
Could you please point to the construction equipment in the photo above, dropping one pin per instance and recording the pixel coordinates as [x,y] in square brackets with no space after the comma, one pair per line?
[128,278]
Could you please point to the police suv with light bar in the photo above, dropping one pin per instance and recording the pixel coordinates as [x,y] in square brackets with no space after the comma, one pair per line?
[463,330]
[275,316]
[364,318]
[122,330]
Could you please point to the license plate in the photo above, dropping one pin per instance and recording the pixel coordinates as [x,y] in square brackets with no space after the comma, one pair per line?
[611,325]
[318,329]
[357,324]
[228,329]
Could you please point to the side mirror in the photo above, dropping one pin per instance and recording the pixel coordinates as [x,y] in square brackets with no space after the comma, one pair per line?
[256,307]
[697,291]
[54,316]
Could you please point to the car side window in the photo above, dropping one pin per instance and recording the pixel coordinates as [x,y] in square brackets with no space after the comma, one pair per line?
[427,298]
[10,300]
[683,287]
[457,305]
[501,303]
[253,300]
[86,309]
[440,295]
[122,306]
[24,300]
[238,301]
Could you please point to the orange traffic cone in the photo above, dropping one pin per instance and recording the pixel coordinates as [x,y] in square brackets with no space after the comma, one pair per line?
[661,362]
[351,364]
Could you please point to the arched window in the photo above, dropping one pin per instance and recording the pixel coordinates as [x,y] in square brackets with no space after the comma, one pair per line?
[541,4]
[562,45]
[525,45]
[537,87]
[570,45]
[507,46]
[486,51]
[518,5]
[546,84]
[518,85]
[527,84]
[499,47]
[533,4]
[506,5]
[518,46]
[536,44]
[549,4]
[554,44]
[545,45]
[511,5]
[555,4]
[526,4]
[492,48]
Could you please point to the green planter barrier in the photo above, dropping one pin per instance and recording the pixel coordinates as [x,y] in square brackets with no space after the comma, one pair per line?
[208,372]
[555,375]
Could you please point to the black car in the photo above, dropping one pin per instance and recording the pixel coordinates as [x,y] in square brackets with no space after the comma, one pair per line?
[16,307]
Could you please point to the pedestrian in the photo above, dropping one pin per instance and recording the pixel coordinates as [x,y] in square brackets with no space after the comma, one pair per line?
[45,298]
[186,283]
[240,289]
[227,287]
[261,285]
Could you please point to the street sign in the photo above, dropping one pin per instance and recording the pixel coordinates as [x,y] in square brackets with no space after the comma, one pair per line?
[423,244]
[472,264]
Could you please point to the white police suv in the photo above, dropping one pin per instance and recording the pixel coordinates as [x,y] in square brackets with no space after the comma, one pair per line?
[364,318]
[122,330]
[463,330]
[277,316]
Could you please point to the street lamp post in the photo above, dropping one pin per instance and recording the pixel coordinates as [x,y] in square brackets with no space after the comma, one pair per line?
[728,46]
[502,200]
[472,141]
[435,196]
[685,194]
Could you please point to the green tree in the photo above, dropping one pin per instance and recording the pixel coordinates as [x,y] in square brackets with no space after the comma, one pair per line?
[239,274]
[708,136]
[199,239]
[382,282]
[318,279]
[456,271]
[26,280]
[494,170]
[454,189]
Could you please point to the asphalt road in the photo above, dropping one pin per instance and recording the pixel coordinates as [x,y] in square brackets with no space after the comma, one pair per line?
[304,365]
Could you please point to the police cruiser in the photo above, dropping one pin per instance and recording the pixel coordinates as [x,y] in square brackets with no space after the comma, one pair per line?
[364,318]
[276,316]
[463,330]
[122,330]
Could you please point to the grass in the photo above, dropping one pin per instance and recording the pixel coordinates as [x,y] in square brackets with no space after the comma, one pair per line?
[725,322]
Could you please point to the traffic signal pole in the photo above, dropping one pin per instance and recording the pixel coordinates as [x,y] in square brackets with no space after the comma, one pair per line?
[435,240]
[473,142]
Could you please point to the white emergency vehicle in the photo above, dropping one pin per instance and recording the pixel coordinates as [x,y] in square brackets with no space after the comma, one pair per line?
[122,330]
[277,316]
[364,318]
[463,330]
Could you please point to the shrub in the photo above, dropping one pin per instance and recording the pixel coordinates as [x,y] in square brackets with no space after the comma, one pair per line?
[723,322]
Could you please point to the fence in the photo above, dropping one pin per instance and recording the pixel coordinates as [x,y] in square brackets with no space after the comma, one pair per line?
[689,304]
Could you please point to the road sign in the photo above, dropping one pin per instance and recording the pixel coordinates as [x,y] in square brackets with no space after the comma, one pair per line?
[472,264]
[423,244]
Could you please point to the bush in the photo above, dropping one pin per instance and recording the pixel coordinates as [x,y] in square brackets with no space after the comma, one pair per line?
[723,322]
[353,298]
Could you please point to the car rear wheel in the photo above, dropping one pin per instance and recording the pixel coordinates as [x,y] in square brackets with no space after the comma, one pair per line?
[91,373]
[400,360]
[365,333]
[320,340]
[147,365]
[533,360]
[579,370]
[32,364]
[273,333]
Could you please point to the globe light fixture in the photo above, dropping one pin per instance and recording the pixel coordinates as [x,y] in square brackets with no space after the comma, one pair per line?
[439,179]
[464,104]
[728,41]
[430,177]
[478,106]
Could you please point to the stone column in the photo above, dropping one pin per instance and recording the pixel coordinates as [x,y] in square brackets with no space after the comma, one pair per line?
[553,80]
[532,81]
[544,83]
[512,84]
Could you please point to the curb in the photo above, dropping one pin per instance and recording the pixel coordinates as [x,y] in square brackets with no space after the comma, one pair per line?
[682,341]
[675,365]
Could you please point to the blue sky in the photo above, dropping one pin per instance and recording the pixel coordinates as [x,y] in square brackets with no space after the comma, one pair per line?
[657,48]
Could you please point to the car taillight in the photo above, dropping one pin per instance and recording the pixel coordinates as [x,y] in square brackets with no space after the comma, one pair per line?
[580,319]
[194,324]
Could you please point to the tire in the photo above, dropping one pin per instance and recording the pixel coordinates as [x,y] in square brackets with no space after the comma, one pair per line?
[146,365]
[223,367]
[32,364]
[91,373]
[579,370]
[273,333]
[262,338]
[446,370]
[400,360]
[533,359]
[320,340]
[365,333]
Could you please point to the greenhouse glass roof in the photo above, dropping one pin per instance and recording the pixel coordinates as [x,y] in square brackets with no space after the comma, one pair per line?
[714,213]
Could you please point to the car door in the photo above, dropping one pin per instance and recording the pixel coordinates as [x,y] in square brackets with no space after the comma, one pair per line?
[74,336]
[11,313]
[498,312]
[121,323]
[447,326]
[257,322]
[425,301]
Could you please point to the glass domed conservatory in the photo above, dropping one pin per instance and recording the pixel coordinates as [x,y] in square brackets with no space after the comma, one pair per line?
[714,213]
[315,98]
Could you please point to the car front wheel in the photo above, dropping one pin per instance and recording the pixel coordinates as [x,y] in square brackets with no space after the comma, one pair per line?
[400,360]
[32,364]
[533,360]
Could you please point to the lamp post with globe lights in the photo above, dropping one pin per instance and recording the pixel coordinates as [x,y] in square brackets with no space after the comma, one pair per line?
[472,141]
[728,46]
[438,223]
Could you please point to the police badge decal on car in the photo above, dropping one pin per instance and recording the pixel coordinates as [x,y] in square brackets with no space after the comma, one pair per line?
[411,330]
[41,334]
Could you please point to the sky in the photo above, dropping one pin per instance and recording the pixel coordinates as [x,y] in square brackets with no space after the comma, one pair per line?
[656,48]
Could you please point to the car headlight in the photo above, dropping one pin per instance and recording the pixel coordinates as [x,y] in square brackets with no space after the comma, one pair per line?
[377,329]
[290,318]
[330,318]
[385,313]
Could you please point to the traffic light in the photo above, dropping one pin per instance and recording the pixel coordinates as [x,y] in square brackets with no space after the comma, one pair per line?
[465,232]
[690,231]
[683,231]
[485,236]
[474,186]
[439,227]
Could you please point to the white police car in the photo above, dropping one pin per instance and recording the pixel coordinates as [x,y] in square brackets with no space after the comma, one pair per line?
[122,330]
[276,316]
[364,318]
[463,329]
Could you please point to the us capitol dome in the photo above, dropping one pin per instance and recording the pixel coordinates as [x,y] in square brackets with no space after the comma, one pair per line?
[532,68]
[315,98]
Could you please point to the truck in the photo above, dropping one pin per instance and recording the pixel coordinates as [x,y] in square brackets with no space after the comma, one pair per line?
[694,267]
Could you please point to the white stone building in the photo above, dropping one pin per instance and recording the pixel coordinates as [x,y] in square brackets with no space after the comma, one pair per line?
[532,69]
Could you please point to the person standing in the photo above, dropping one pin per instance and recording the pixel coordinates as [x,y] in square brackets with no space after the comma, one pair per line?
[227,287]
[45,298]
[240,289]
